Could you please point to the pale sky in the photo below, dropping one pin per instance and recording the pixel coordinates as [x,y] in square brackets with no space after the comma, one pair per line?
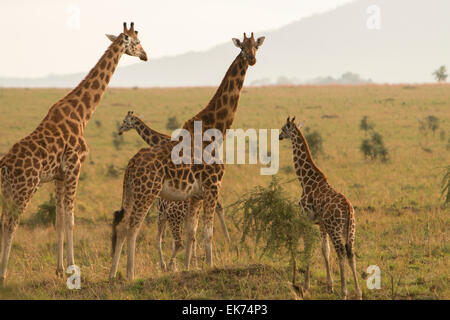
[43,37]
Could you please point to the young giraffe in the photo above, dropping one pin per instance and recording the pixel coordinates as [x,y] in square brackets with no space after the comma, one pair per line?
[55,150]
[173,212]
[151,172]
[331,210]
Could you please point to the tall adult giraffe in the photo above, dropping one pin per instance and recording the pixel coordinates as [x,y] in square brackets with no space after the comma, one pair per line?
[325,206]
[173,212]
[152,173]
[55,150]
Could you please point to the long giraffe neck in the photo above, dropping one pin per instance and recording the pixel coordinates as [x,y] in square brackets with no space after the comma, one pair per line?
[221,110]
[81,102]
[151,137]
[307,171]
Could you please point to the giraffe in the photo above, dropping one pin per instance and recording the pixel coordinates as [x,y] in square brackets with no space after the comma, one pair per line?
[325,206]
[56,149]
[151,173]
[173,212]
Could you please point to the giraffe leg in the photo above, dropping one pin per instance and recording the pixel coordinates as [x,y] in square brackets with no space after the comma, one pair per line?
[175,229]
[340,250]
[131,249]
[326,256]
[219,211]
[140,209]
[161,230]
[191,228]
[121,234]
[13,205]
[9,228]
[209,207]
[352,261]
[70,188]
[59,191]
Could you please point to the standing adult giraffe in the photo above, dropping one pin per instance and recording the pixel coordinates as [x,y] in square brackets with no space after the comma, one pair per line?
[325,206]
[173,212]
[56,149]
[152,173]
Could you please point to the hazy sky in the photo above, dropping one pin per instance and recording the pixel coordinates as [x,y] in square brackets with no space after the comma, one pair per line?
[60,36]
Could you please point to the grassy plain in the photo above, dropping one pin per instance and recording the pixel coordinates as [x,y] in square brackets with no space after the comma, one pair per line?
[401,226]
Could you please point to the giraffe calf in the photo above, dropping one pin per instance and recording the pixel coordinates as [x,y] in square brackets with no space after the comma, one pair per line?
[325,206]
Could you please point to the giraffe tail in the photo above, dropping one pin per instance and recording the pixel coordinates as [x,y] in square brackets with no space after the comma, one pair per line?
[118,216]
[219,211]
[350,231]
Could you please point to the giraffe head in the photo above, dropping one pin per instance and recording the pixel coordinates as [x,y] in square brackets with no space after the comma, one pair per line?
[289,127]
[128,123]
[130,42]
[249,46]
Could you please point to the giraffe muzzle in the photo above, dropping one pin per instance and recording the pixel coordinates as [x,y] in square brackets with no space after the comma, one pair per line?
[143,57]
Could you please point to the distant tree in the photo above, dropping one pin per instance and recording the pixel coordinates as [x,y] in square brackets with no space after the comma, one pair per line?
[366,124]
[441,74]
[446,187]
[315,142]
[172,123]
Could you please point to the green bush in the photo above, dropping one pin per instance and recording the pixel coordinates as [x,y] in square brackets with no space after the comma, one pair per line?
[112,171]
[117,140]
[374,148]
[429,123]
[315,141]
[366,124]
[172,123]
[46,213]
[446,187]
[268,216]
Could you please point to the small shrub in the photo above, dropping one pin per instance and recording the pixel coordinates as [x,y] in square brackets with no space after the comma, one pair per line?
[366,125]
[315,141]
[83,176]
[46,213]
[374,148]
[270,217]
[172,123]
[117,140]
[446,187]
[288,169]
[112,171]
[98,123]
[429,123]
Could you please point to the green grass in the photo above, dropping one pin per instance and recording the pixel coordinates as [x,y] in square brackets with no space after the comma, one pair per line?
[401,225]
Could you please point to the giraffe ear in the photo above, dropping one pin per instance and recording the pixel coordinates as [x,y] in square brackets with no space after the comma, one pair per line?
[259,42]
[301,123]
[237,42]
[111,37]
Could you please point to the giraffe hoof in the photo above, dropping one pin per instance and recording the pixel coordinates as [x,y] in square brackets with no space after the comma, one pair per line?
[172,267]
[59,272]
[330,289]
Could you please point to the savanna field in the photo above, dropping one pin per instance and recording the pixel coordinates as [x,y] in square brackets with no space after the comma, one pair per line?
[401,224]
